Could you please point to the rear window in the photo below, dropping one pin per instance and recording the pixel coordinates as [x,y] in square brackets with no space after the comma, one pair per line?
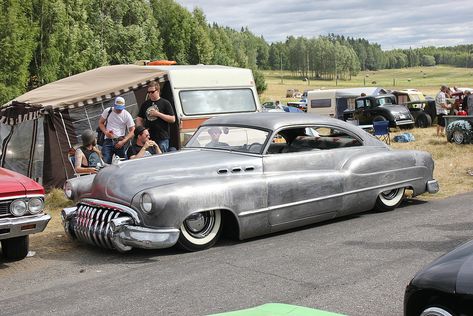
[198,102]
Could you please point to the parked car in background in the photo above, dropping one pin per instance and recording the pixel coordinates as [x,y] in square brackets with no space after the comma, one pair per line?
[21,213]
[236,174]
[272,106]
[444,287]
[380,108]
[302,104]
[422,110]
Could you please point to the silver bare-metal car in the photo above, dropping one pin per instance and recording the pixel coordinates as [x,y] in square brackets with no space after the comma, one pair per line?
[250,174]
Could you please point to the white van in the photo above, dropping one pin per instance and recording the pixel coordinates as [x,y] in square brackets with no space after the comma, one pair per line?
[333,102]
[198,92]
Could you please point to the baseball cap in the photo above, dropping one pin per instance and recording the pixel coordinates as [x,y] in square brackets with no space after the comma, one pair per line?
[119,103]
[138,130]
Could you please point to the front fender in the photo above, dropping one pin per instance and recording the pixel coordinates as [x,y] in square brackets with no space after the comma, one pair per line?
[172,203]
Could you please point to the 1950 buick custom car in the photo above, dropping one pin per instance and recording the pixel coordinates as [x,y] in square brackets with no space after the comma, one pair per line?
[21,213]
[251,174]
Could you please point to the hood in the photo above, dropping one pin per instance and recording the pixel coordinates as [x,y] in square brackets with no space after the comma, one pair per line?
[119,183]
[395,108]
[13,183]
[451,273]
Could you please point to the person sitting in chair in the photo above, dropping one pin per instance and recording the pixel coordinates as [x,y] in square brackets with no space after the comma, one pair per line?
[144,146]
[88,157]
[215,133]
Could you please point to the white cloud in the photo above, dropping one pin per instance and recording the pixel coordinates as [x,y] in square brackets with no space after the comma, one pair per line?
[392,24]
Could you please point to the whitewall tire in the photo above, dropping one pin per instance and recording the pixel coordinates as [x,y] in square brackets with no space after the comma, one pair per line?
[389,200]
[201,230]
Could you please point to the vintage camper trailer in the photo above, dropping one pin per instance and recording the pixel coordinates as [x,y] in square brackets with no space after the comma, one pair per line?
[333,102]
[38,128]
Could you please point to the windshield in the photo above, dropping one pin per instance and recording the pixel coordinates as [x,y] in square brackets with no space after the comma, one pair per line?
[197,102]
[242,139]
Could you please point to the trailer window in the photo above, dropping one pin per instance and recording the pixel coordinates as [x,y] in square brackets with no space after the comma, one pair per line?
[199,102]
[320,103]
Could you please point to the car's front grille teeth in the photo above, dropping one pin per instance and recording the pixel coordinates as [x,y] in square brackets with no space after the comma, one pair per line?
[92,225]
[5,208]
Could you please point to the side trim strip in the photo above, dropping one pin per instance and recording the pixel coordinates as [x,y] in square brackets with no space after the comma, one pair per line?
[271,208]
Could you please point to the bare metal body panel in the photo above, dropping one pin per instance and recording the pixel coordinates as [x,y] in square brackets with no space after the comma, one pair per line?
[264,192]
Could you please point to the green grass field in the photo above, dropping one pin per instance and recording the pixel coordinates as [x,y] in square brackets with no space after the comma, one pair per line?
[426,79]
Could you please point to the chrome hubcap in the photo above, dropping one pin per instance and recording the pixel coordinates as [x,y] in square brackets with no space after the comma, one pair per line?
[389,195]
[199,225]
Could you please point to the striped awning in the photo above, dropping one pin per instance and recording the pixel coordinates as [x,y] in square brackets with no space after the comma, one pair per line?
[100,84]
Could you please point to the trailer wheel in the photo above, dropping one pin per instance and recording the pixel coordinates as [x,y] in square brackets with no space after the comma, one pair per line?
[459,132]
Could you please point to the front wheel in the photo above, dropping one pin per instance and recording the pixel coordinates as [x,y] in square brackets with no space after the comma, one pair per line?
[15,248]
[389,200]
[435,311]
[200,231]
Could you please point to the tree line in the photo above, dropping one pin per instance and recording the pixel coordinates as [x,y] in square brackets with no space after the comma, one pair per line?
[45,40]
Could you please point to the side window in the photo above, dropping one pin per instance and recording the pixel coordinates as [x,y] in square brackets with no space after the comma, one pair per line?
[368,103]
[360,104]
[402,99]
[311,138]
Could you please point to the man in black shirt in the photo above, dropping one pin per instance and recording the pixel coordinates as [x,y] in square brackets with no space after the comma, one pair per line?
[143,147]
[156,114]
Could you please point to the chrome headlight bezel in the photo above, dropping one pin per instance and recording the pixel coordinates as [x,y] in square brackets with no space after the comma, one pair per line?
[18,208]
[35,205]
[146,202]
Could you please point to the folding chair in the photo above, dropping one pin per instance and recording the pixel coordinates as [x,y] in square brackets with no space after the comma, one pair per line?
[381,131]
[72,160]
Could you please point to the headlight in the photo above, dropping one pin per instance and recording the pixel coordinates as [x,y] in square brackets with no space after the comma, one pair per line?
[68,190]
[146,202]
[35,205]
[18,208]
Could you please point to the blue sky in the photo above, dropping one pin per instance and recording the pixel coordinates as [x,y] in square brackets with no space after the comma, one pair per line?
[393,24]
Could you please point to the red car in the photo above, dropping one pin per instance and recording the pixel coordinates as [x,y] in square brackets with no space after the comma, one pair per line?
[21,213]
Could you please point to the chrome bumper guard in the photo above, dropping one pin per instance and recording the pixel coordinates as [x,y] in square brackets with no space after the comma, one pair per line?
[21,226]
[118,233]
[432,186]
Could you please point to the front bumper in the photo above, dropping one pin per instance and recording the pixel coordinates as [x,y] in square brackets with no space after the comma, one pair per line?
[12,227]
[112,229]
[404,122]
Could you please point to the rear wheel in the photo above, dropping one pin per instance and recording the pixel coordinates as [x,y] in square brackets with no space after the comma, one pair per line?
[423,120]
[389,200]
[200,231]
[15,248]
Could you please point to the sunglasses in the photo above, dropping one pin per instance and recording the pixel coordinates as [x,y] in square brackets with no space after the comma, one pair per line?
[149,92]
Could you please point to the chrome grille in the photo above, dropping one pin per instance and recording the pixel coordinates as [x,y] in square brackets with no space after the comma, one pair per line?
[5,208]
[92,224]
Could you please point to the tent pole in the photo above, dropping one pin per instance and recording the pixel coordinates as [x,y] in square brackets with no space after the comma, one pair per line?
[32,148]
[65,130]
[87,116]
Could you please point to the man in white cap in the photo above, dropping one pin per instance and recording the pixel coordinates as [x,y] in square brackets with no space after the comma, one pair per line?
[117,125]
